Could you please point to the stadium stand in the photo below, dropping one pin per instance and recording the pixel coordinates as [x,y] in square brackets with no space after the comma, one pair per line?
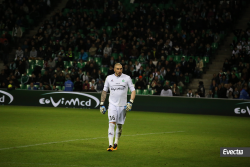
[160,43]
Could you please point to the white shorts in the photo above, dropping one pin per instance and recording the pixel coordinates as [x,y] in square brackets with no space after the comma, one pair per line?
[116,114]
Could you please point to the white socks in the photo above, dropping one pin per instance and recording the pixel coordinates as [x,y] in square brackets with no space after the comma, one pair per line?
[111,133]
[118,133]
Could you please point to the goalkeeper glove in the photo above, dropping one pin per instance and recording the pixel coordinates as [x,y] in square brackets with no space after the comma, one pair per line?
[102,108]
[128,107]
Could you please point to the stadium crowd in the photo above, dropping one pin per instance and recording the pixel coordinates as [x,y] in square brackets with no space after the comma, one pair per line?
[233,80]
[157,43]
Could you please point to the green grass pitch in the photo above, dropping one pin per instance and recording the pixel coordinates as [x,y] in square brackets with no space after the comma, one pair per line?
[39,136]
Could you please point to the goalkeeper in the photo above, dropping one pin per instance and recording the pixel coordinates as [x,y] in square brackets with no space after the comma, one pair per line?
[118,85]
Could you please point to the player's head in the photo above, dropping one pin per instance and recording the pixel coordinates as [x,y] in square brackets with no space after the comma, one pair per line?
[118,69]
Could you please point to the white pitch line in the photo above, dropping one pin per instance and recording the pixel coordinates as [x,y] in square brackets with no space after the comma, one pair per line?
[83,139]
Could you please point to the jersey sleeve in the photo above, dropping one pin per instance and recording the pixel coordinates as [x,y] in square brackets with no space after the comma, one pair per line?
[106,85]
[130,85]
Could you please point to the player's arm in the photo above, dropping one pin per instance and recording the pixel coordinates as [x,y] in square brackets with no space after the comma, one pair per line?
[103,97]
[132,97]
[128,107]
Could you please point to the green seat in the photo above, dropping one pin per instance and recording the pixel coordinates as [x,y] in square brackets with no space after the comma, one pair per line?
[129,92]
[169,57]
[180,89]
[133,81]
[98,59]
[71,63]
[138,91]
[121,54]
[39,62]
[27,86]
[29,71]
[80,64]
[148,86]
[63,87]
[115,55]
[234,68]
[22,86]
[105,73]
[151,92]
[104,69]
[99,63]
[32,66]
[90,58]
[177,59]
[144,66]
[42,72]
[65,63]
[214,46]
[32,62]
[145,92]
[206,60]
[59,87]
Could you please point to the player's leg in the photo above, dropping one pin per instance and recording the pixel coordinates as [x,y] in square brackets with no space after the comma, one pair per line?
[118,134]
[112,115]
[120,121]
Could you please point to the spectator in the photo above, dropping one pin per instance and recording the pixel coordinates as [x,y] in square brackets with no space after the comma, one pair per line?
[99,86]
[53,80]
[105,60]
[78,85]
[92,85]
[69,55]
[244,94]
[190,94]
[80,65]
[100,76]
[32,87]
[201,89]
[54,88]
[236,93]
[69,85]
[19,54]
[11,85]
[210,94]
[33,54]
[92,50]
[6,50]
[199,67]
[213,85]
[223,80]
[158,88]
[51,63]
[32,79]
[83,55]
[197,95]
[229,89]
[47,87]
[166,91]
[140,84]
[107,50]
[24,79]
[40,87]
[60,64]
[17,33]
[175,90]
[41,54]
[85,86]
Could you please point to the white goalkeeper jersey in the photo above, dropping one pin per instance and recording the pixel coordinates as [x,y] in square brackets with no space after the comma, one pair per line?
[118,87]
